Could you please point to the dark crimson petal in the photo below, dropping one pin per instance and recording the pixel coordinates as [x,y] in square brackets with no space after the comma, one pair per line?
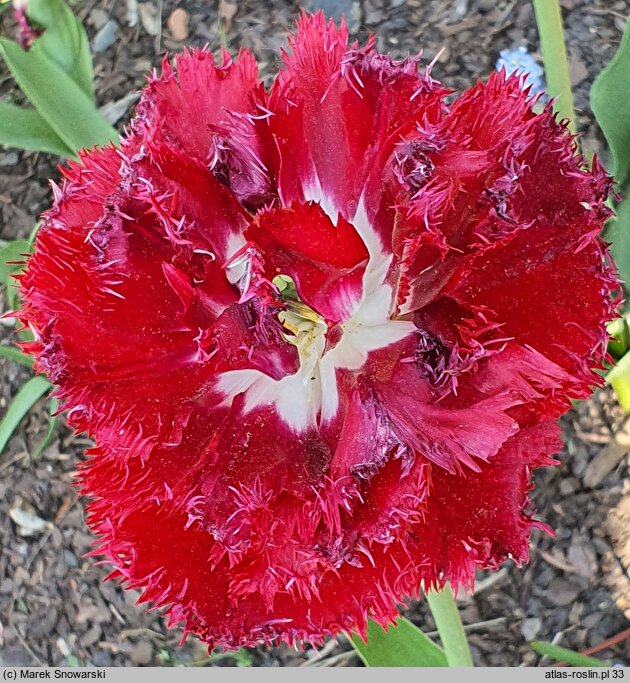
[451,436]
[483,519]
[198,197]
[146,285]
[250,554]
[514,281]
[209,112]
[261,545]
[225,605]
[326,261]
[182,104]
[249,336]
[496,168]
[336,112]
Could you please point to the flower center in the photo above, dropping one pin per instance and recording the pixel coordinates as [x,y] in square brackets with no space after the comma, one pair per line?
[305,329]
[311,396]
[307,332]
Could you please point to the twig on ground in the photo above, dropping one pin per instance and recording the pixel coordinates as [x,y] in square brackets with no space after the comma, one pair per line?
[490,624]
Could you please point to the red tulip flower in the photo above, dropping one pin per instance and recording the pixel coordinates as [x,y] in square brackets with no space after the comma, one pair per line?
[321,335]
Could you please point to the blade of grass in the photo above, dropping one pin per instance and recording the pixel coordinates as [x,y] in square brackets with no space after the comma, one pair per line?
[450,628]
[16,356]
[549,21]
[24,400]
[53,407]
[561,654]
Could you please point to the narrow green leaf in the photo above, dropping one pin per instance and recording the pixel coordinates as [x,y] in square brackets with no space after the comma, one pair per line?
[53,406]
[402,645]
[59,100]
[611,106]
[16,356]
[33,235]
[26,129]
[551,32]
[64,40]
[618,234]
[561,654]
[24,400]
[449,625]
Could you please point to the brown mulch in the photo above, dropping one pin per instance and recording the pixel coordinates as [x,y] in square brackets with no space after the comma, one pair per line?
[54,607]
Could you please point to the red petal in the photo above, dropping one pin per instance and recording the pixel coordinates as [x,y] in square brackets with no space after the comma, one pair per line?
[145,284]
[490,168]
[209,113]
[482,520]
[287,512]
[254,550]
[528,283]
[182,104]
[336,111]
[326,261]
[449,437]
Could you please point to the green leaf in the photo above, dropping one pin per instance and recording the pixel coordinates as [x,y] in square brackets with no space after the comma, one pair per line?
[618,234]
[26,129]
[619,380]
[611,105]
[402,645]
[619,342]
[33,235]
[59,100]
[64,40]
[53,407]
[561,654]
[13,354]
[24,400]
[551,32]
[11,254]
[449,625]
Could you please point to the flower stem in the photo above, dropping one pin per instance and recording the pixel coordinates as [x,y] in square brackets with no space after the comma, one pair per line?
[549,21]
[449,625]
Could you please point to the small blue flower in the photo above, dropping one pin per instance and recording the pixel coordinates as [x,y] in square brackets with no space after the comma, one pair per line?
[519,61]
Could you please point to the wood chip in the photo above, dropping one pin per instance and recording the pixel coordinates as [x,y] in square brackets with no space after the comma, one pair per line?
[227,12]
[177,24]
[149,18]
[448,30]
[28,523]
[557,562]
[617,568]
[604,463]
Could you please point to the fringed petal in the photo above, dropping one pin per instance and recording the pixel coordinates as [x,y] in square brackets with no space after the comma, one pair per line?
[320,336]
